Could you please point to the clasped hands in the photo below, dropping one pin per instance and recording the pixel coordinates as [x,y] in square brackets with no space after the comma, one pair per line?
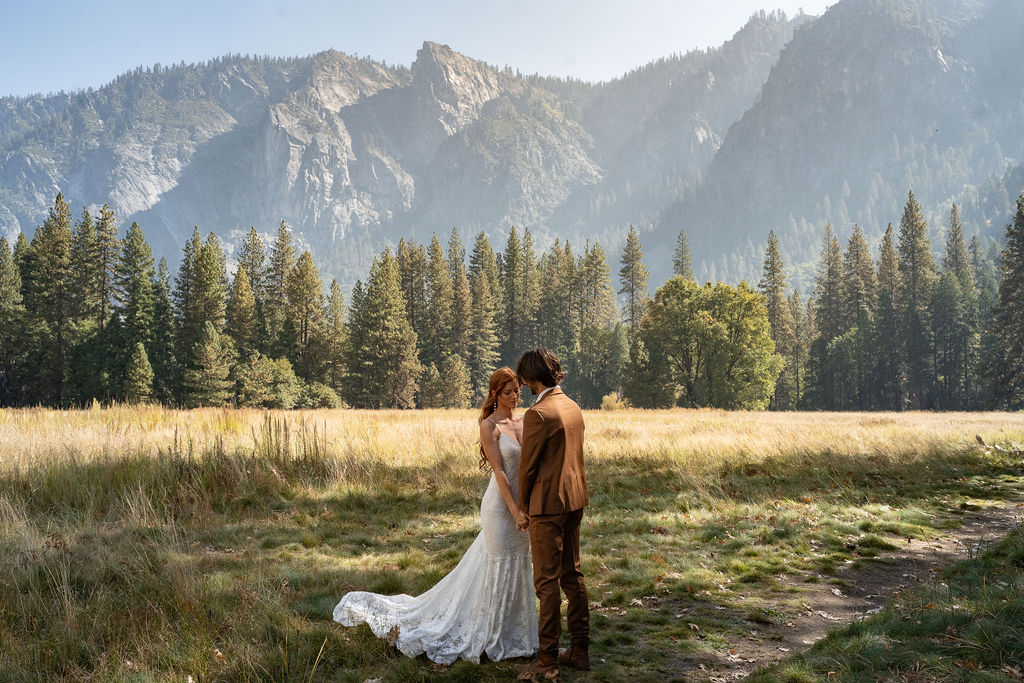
[522,520]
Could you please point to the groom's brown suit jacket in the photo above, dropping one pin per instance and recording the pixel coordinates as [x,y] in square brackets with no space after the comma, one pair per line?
[552,479]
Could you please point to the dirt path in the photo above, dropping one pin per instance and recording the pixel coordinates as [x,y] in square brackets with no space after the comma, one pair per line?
[864,591]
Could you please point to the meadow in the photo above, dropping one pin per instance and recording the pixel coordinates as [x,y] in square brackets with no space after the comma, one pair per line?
[145,543]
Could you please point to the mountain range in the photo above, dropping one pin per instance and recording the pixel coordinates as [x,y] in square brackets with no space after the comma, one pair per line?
[793,123]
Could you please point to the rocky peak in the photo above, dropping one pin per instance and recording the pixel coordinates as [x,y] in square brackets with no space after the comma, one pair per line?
[457,86]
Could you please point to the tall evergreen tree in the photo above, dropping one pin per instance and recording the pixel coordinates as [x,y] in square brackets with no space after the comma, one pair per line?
[282,260]
[50,298]
[780,319]
[334,339]
[240,314]
[84,256]
[516,317]
[531,291]
[206,381]
[381,356]
[440,303]
[138,381]
[108,247]
[187,324]
[796,358]
[462,299]
[483,259]
[554,314]
[633,279]
[1005,365]
[12,315]
[859,306]
[960,335]
[305,313]
[412,272]
[682,261]
[252,258]
[483,342]
[162,357]
[826,386]
[917,270]
[888,352]
[134,288]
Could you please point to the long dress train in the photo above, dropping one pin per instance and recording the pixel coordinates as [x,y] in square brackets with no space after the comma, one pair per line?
[485,605]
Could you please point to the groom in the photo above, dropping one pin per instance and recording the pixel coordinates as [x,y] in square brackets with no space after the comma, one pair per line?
[553,493]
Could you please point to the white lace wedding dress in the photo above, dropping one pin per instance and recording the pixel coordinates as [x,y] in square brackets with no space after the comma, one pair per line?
[485,605]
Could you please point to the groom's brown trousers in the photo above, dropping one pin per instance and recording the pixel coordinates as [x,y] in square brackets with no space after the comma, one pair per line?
[555,543]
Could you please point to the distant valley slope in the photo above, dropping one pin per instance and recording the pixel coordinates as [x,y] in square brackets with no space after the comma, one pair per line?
[793,123]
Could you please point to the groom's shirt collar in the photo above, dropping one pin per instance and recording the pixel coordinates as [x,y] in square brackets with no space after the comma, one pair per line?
[541,394]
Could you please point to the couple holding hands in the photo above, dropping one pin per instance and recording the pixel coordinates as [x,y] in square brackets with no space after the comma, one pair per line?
[533,506]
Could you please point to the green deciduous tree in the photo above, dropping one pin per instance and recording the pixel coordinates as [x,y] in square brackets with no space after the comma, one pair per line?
[714,342]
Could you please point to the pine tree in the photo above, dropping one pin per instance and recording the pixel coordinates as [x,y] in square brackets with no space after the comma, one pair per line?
[108,247]
[440,302]
[780,319]
[138,381]
[1005,367]
[381,357]
[50,298]
[187,324]
[162,357]
[206,381]
[412,272]
[483,342]
[241,314]
[917,270]
[334,338]
[633,278]
[134,288]
[462,301]
[531,293]
[455,378]
[211,283]
[484,260]
[12,316]
[305,313]
[888,353]
[796,359]
[859,312]
[515,319]
[682,262]
[252,259]
[826,385]
[961,349]
[282,260]
[431,388]
[84,253]
[597,297]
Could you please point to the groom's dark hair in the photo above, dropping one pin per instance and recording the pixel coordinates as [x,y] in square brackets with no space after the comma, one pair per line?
[540,365]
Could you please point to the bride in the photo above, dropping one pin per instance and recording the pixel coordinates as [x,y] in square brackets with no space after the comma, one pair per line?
[486,604]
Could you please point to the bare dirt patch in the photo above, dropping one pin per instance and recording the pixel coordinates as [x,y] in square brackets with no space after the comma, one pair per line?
[854,593]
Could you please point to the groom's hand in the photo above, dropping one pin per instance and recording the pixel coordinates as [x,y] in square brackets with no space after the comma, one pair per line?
[522,521]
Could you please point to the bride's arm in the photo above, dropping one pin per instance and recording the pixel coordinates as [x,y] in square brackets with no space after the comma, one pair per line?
[489,435]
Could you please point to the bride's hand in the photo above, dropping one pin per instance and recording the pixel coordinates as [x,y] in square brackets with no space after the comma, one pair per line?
[522,520]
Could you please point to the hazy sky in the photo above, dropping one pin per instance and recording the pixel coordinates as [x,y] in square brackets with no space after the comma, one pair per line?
[52,45]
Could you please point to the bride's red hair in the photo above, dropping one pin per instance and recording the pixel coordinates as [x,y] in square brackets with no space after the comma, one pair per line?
[499,378]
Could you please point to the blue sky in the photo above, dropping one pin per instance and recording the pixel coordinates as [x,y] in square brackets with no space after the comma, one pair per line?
[52,45]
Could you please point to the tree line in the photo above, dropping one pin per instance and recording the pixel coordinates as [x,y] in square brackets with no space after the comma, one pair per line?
[87,316]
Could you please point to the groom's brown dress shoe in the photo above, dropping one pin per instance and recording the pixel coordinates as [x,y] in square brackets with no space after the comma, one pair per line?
[542,665]
[577,658]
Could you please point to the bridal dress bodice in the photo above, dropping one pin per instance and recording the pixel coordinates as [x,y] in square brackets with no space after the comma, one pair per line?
[483,606]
